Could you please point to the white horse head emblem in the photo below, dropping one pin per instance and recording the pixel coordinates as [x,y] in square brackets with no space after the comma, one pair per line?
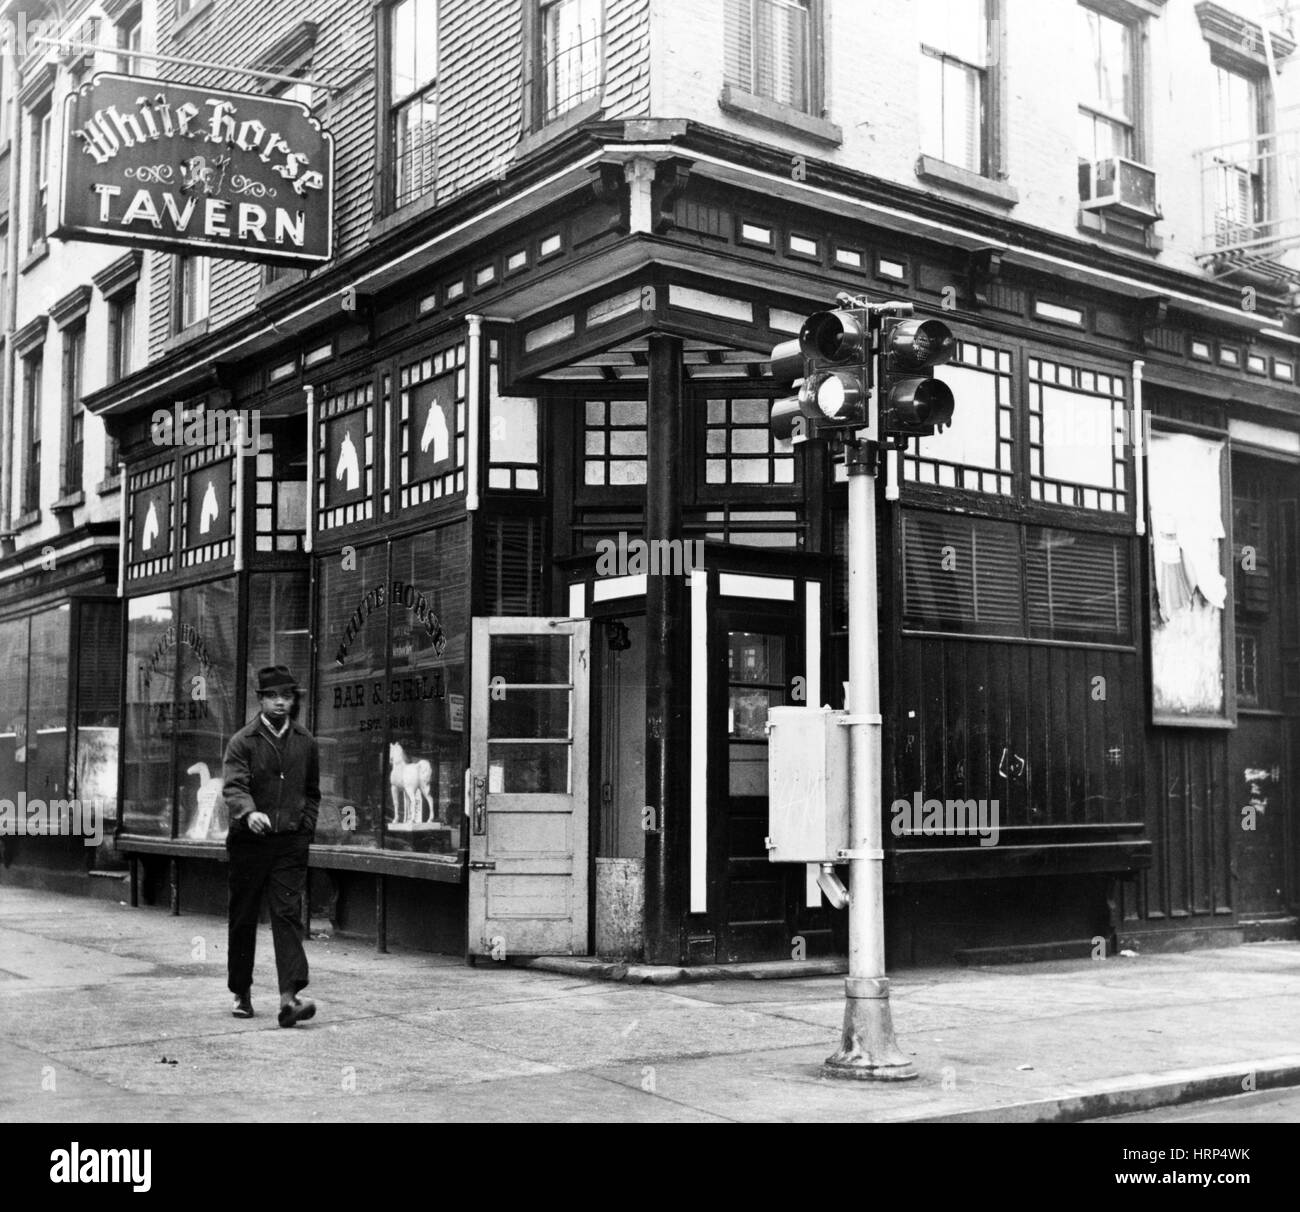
[151,528]
[349,465]
[435,431]
[209,511]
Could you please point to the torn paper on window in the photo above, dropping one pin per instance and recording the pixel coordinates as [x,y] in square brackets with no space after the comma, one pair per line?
[1186,505]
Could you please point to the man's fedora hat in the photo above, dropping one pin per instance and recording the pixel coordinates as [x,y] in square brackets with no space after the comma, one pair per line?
[271,678]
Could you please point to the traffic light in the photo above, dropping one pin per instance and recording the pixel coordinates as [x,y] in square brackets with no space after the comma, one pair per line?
[913,402]
[832,356]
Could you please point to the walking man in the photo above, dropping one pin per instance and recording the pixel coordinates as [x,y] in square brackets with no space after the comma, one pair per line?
[272,788]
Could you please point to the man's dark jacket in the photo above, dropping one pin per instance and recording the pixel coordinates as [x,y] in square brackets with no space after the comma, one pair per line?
[280,778]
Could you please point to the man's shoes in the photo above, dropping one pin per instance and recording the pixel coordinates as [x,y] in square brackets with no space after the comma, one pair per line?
[243,1007]
[297,1011]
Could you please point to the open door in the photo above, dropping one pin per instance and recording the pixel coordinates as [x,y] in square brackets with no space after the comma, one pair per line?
[527,791]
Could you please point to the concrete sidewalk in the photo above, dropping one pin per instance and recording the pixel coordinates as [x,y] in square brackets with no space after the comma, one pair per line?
[113,1014]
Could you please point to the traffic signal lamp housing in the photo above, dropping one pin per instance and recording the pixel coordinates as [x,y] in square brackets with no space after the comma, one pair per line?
[832,356]
[913,402]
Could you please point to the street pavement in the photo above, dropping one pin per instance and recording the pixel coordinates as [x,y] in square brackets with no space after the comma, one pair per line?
[120,1015]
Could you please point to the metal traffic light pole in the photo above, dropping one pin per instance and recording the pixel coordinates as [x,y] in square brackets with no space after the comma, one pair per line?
[868,1050]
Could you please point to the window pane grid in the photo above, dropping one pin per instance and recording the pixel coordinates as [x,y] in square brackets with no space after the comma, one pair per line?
[614,443]
[740,448]
[1077,425]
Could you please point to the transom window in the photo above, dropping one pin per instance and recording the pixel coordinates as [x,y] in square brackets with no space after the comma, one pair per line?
[1106,86]
[975,453]
[739,446]
[614,443]
[413,99]
[1077,435]
[954,81]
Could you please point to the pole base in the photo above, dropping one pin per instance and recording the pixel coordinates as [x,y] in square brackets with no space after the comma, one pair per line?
[868,1050]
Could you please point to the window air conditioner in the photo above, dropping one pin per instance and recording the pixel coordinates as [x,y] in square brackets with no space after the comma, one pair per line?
[1119,185]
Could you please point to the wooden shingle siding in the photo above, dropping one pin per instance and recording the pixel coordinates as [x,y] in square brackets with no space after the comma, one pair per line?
[627,58]
[480,93]
[483,72]
[241,31]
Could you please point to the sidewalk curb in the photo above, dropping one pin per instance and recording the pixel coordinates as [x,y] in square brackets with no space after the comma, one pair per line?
[1139,1092]
[671,974]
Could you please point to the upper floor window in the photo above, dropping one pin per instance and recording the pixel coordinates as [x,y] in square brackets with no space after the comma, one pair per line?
[40,175]
[572,53]
[33,370]
[1107,89]
[121,334]
[769,51]
[955,82]
[194,279]
[129,34]
[74,419]
[1239,183]
[413,97]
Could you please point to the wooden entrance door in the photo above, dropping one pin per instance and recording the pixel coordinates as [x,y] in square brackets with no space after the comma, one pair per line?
[527,792]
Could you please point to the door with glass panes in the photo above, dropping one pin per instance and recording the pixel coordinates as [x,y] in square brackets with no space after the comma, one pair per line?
[527,792]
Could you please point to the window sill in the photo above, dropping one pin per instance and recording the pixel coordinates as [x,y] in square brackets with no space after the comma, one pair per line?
[780,117]
[35,255]
[181,29]
[928,168]
[1131,233]
[269,290]
[69,501]
[585,111]
[109,484]
[403,215]
[25,521]
[185,336]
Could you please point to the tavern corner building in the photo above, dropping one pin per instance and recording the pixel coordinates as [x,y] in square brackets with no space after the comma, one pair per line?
[459,316]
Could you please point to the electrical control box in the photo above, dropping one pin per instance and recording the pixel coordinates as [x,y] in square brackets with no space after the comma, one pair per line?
[808,785]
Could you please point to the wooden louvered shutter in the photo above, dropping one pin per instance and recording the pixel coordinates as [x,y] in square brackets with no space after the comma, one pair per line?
[962,574]
[513,566]
[1077,584]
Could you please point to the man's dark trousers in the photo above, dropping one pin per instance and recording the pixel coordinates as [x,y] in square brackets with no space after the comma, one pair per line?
[280,861]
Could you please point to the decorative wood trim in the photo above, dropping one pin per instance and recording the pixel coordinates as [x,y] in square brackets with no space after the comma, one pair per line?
[72,307]
[39,86]
[31,334]
[286,51]
[121,274]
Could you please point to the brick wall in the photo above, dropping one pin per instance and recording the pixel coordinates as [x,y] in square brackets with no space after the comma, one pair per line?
[872,92]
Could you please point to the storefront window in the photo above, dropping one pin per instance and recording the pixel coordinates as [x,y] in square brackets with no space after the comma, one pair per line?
[349,718]
[98,715]
[13,708]
[205,710]
[279,612]
[147,732]
[426,691]
[47,705]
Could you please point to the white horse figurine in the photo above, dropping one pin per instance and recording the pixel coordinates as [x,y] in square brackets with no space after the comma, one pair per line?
[209,790]
[410,782]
